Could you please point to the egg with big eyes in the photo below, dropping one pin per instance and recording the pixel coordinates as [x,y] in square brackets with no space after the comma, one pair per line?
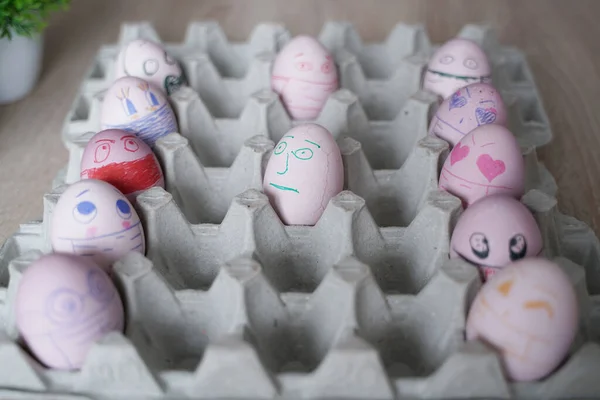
[304,75]
[64,304]
[528,313]
[456,64]
[143,58]
[486,161]
[123,160]
[495,231]
[94,219]
[304,172]
[134,105]
[469,107]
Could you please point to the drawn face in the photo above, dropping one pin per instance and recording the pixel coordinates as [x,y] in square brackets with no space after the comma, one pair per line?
[466,109]
[145,59]
[304,172]
[93,219]
[495,231]
[133,105]
[529,312]
[486,161]
[458,63]
[304,75]
[123,160]
[64,304]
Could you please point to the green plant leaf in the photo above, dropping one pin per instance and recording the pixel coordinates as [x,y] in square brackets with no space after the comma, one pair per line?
[26,17]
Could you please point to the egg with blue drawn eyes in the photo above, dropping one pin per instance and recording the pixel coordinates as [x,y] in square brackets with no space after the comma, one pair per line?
[93,219]
[304,172]
[143,58]
[64,304]
[134,105]
[468,108]
[456,64]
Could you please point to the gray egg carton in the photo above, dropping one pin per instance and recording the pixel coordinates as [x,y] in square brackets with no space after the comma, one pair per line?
[230,303]
[230,85]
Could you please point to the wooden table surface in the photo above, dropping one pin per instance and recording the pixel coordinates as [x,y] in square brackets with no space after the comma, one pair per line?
[560,39]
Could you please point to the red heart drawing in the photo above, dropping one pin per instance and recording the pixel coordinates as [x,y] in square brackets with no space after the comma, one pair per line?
[489,167]
[458,153]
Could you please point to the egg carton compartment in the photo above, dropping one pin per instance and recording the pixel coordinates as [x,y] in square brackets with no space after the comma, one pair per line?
[224,99]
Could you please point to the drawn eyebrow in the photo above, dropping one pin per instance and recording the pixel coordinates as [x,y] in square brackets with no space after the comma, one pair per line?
[488,144]
[105,140]
[298,55]
[85,191]
[290,136]
[306,140]
[128,136]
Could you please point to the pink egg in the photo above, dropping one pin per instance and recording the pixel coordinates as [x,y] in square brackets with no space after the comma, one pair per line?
[528,312]
[469,107]
[456,64]
[494,232]
[486,161]
[143,58]
[121,159]
[304,75]
[93,219]
[304,172]
[64,304]
[133,105]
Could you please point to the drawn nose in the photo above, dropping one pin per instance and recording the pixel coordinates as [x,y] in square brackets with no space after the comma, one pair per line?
[287,159]
[126,224]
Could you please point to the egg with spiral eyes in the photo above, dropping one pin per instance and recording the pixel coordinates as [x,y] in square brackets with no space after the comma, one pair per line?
[64,304]
[123,160]
[134,105]
[456,64]
[94,219]
[143,58]
[486,161]
[469,107]
[529,314]
[304,172]
[304,75]
[495,231]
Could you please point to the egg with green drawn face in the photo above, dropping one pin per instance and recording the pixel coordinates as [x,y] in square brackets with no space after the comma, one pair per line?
[304,172]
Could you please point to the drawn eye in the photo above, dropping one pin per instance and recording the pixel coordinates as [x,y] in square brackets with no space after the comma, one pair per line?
[123,209]
[169,60]
[85,212]
[150,67]
[131,145]
[470,63]
[102,152]
[304,66]
[64,306]
[280,148]
[303,154]
[517,247]
[446,59]
[479,245]
[326,68]
[99,286]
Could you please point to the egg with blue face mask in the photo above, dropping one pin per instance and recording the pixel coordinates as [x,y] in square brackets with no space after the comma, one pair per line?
[136,106]
[95,220]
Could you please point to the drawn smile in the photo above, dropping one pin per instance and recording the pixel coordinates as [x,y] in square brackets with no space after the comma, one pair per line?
[284,188]
[459,77]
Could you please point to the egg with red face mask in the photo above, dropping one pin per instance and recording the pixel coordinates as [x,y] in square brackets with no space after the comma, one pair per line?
[123,160]
[304,75]
[456,64]
[304,172]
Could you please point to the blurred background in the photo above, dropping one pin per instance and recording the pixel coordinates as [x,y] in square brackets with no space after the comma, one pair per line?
[560,39]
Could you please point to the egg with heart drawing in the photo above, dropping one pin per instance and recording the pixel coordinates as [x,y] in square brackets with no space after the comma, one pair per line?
[486,161]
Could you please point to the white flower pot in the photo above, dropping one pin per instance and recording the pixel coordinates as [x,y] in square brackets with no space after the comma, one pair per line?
[20,65]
